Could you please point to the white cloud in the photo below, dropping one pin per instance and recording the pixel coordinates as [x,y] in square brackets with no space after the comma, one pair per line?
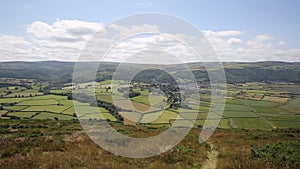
[63,30]
[259,48]
[64,39]
[234,41]
[261,41]
[282,43]
[13,47]
[226,33]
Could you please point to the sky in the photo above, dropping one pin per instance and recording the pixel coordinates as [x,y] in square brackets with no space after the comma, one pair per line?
[239,30]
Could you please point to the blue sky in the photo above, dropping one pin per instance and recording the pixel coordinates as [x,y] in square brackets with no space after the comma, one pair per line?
[279,19]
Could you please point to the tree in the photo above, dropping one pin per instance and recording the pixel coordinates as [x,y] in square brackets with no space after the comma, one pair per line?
[69,96]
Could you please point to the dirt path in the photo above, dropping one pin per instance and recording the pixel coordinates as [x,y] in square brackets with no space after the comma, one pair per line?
[211,162]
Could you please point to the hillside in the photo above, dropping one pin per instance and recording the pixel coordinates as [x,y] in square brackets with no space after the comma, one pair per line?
[235,72]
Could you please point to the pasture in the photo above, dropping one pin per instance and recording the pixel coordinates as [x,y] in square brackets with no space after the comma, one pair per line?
[251,123]
[260,108]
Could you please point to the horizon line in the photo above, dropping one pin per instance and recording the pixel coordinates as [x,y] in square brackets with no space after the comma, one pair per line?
[280,61]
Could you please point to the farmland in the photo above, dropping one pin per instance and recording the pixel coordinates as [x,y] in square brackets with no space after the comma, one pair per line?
[275,108]
[49,106]
[268,112]
[40,122]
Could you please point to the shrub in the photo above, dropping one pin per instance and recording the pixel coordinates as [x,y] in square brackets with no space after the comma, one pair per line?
[285,155]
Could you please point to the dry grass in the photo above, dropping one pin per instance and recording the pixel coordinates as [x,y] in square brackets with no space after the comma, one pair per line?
[52,144]
[276,99]
[234,146]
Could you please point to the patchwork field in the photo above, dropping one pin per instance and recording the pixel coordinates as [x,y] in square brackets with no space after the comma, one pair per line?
[50,107]
[257,108]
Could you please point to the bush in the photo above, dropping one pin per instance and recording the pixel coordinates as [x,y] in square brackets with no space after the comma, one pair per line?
[286,155]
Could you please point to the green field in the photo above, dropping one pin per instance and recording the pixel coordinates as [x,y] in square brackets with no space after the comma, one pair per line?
[98,116]
[257,103]
[286,124]
[251,123]
[240,112]
[71,103]
[70,110]
[223,123]
[234,107]
[148,100]
[38,102]
[104,97]
[55,109]
[131,105]
[12,100]
[268,110]
[288,118]
[22,114]
[292,106]
[166,116]
[52,116]
[15,107]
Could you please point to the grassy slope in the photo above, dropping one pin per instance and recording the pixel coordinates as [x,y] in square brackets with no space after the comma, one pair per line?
[52,144]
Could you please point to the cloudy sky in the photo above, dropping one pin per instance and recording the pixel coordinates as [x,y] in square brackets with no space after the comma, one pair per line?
[255,30]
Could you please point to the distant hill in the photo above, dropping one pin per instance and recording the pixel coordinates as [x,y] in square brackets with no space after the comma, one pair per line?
[263,72]
[235,71]
[45,71]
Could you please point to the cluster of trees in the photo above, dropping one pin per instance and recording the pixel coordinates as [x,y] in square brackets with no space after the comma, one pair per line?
[261,74]
[124,89]
[128,92]
[8,104]
[30,95]
[84,98]
[113,110]
[44,90]
[14,84]
[131,94]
